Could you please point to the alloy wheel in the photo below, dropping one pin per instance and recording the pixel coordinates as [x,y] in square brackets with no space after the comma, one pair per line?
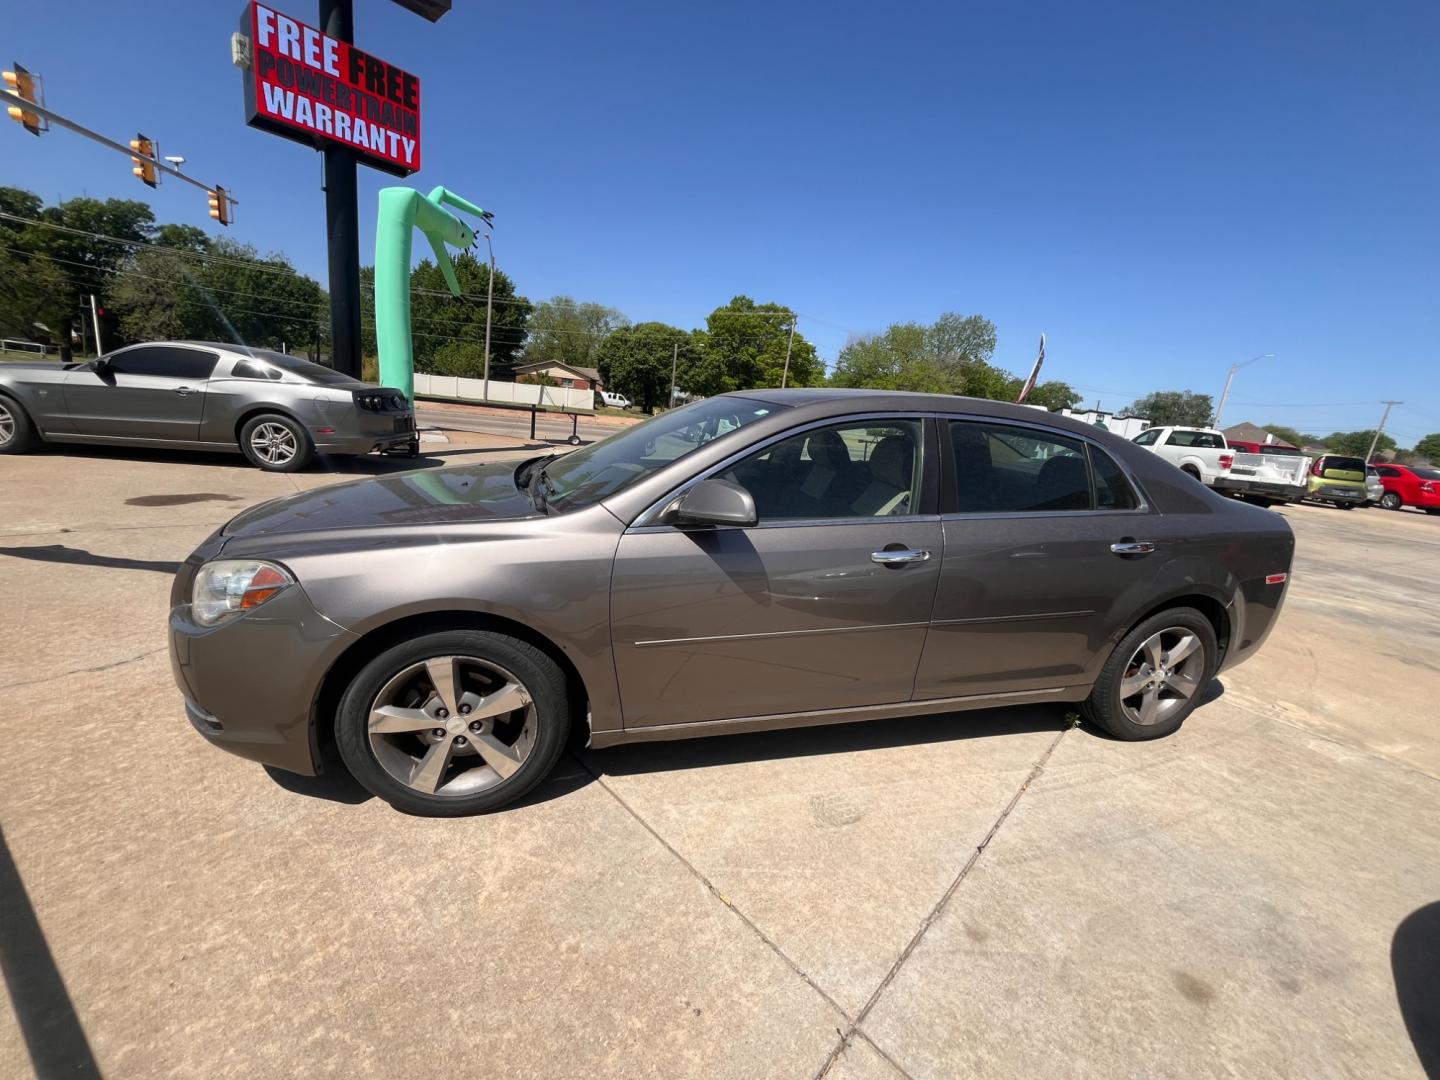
[452,725]
[1162,675]
[275,444]
[7,425]
[1390,501]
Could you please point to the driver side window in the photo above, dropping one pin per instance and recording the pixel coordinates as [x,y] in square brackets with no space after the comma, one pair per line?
[857,470]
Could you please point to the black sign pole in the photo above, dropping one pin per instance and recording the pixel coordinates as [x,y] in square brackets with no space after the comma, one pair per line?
[342,220]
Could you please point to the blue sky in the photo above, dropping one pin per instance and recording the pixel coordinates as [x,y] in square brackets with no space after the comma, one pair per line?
[1163,189]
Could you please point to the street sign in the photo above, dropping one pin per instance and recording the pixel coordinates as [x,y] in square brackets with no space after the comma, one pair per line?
[317,90]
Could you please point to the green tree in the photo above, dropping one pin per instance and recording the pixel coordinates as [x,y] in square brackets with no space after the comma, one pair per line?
[1053,394]
[1174,407]
[1428,448]
[437,317]
[1356,443]
[745,346]
[463,358]
[1288,434]
[564,331]
[636,361]
[234,296]
[37,302]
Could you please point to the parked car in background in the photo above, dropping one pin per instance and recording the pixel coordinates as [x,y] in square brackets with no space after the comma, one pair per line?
[1200,452]
[1374,489]
[1265,474]
[276,409]
[1410,485]
[1337,479]
[813,557]
[615,401]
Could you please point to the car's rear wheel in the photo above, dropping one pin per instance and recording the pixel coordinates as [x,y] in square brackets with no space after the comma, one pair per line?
[1192,472]
[1391,501]
[1155,677]
[1346,506]
[17,434]
[276,443]
[454,723]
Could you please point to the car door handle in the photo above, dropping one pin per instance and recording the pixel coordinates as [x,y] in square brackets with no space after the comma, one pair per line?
[186,390]
[1132,547]
[897,558]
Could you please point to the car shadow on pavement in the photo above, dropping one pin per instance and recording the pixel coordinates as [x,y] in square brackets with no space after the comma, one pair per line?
[1415,963]
[59,553]
[825,739]
[53,1034]
[369,465]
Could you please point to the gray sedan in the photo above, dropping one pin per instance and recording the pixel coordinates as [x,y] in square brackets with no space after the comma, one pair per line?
[278,410]
[772,559]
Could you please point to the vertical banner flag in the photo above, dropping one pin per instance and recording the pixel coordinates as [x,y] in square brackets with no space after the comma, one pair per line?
[1034,374]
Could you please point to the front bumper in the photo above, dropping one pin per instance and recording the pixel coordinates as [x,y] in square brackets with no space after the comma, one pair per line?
[250,684]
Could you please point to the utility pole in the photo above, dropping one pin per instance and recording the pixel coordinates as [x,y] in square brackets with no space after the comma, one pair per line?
[342,219]
[1384,416]
[95,317]
[489,307]
[785,375]
[674,367]
[1225,394]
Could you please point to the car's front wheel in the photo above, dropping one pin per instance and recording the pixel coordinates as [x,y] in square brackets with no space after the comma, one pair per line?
[1156,676]
[276,443]
[1391,501]
[17,434]
[454,723]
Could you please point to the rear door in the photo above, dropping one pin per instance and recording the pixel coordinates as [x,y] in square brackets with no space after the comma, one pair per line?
[1031,584]
[148,392]
[822,605]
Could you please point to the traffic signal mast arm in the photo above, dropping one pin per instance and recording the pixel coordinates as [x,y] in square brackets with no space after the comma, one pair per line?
[95,136]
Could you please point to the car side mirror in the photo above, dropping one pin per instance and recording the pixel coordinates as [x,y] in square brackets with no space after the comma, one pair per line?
[100,363]
[714,502]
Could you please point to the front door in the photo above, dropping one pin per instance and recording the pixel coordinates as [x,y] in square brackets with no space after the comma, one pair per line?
[803,611]
[149,392]
[1030,588]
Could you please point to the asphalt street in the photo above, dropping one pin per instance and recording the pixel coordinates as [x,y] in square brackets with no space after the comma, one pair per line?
[512,424]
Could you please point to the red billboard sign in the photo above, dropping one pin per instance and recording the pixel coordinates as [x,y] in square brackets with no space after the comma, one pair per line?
[313,88]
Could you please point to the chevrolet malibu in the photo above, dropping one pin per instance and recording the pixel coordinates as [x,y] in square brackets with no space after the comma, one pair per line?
[276,409]
[772,559]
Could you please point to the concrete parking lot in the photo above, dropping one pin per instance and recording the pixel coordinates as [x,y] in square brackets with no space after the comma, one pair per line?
[992,893]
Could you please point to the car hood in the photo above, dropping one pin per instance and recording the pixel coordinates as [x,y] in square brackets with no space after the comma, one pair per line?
[458,493]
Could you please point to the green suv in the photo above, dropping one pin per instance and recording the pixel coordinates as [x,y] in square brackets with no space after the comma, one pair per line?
[1337,479]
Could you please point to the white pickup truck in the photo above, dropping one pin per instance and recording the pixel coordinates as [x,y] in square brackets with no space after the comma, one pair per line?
[1201,452]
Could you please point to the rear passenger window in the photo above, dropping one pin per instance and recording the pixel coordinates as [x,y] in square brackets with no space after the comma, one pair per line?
[1002,469]
[1112,490]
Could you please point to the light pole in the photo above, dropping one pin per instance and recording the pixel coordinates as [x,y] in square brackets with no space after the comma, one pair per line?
[1225,394]
[1386,416]
[489,307]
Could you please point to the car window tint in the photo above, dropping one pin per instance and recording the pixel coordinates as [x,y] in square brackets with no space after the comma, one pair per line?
[1388,471]
[1145,438]
[165,360]
[1208,441]
[1002,469]
[244,369]
[869,469]
[1112,490]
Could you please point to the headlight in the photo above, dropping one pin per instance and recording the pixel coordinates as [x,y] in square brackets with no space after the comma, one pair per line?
[227,587]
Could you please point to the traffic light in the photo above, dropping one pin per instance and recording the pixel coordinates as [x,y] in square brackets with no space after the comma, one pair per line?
[22,84]
[220,205]
[144,169]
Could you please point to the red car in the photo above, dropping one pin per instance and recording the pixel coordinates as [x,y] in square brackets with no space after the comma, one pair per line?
[1410,485]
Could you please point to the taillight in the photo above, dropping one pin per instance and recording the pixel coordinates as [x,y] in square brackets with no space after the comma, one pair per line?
[1226,460]
[1427,487]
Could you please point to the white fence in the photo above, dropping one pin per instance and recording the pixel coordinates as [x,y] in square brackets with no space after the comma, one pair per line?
[452,386]
[32,347]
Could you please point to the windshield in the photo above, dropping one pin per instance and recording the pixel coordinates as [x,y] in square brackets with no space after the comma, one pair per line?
[601,469]
[316,373]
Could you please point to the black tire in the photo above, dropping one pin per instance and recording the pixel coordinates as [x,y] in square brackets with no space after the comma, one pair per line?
[1104,707]
[549,711]
[1192,472]
[303,452]
[1432,510]
[1391,500]
[1346,506]
[17,433]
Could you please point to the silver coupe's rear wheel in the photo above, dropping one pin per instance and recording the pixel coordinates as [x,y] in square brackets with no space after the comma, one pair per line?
[274,444]
[452,725]
[16,432]
[1162,676]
